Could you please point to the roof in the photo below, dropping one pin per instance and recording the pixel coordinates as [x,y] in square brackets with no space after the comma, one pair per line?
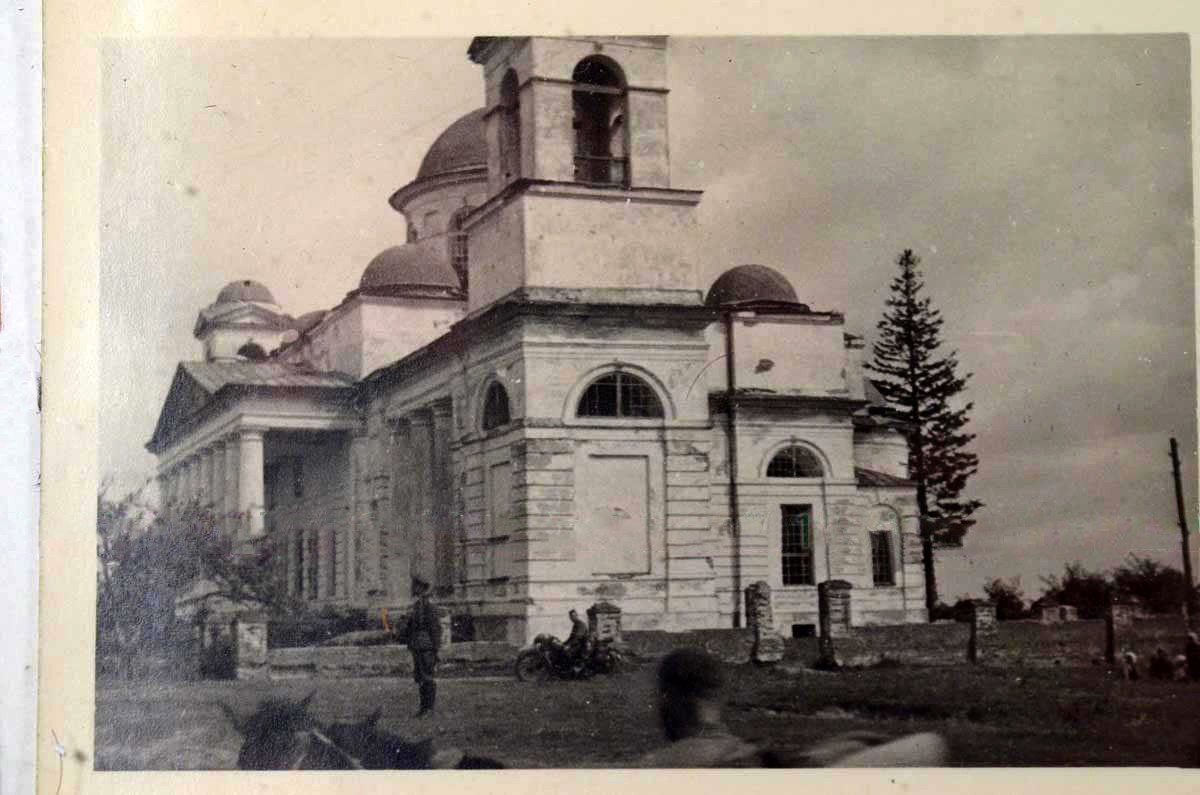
[461,146]
[750,283]
[196,384]
[245,290]
[213,376]
[419,264]
[309,320]
[872,478]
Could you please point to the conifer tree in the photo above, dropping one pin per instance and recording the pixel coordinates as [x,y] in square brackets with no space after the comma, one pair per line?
[919,386]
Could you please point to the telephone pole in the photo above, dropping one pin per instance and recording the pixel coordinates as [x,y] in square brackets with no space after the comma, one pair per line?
[1189,599]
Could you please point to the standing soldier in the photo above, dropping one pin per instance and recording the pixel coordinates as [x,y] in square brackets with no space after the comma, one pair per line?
[424,633]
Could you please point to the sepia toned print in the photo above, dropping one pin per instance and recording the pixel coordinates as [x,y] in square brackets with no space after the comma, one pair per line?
[665,403]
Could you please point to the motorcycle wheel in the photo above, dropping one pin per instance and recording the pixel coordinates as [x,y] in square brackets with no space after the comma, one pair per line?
[531,667]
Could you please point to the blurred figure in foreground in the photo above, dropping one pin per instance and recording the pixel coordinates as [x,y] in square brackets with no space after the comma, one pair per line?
[690,699]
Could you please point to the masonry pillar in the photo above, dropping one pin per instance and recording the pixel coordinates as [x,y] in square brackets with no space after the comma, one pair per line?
[423,533]
[251,499]
[983,624]
[442,502]
[229,488]
[216,485]
[604,621]
[250,647]
[760,618]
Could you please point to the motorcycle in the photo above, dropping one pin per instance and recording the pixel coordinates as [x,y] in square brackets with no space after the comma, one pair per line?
[548,657]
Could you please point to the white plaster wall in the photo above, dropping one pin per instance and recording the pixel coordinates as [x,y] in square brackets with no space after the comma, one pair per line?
[591,242]
[336,343]
[444,201]
[884,450]
[497,261]
[790,356]
[394,328]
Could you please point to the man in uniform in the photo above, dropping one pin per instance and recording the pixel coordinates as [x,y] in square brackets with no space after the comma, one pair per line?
[577,643]
[424,632]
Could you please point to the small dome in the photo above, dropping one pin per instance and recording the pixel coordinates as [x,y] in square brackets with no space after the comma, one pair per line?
[410,265]
[308,320]
[750,283]
[245,290]
[461,146]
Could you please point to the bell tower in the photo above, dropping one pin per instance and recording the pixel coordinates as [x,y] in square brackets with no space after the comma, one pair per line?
[579,173]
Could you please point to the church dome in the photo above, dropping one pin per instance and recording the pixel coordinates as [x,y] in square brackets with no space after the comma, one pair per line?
[411,265]
[461,146]
[750,283]
[245,290]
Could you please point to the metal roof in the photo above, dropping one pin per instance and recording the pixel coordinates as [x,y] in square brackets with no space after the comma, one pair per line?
[212,376]
[869,477]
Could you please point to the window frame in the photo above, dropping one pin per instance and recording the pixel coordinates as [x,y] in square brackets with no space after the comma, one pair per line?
[793,449]
[658,407]
[884,536]
[485,421]
[613,167]
[805,555]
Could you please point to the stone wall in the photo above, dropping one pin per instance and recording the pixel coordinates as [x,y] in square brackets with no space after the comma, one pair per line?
[346,662]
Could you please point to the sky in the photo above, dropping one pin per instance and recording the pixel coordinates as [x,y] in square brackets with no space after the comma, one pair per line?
[1045,182]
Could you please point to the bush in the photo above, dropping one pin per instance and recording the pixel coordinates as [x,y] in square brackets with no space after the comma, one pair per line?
[316,628]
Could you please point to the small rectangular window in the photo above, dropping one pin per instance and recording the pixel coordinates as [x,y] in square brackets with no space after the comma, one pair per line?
[881,559]
[797,548]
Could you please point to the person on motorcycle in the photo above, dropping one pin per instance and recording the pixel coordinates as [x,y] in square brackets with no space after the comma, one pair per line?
[578,643]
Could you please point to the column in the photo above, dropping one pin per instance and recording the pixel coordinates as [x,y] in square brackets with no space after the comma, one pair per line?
[251,501]
[189,479]
[216,482]
[423,533]
[360,514]
[397,527]
[442,502]
[229,487]
[205,485]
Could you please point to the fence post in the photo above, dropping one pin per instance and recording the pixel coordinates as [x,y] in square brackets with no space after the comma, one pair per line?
[768,646]
[983,622]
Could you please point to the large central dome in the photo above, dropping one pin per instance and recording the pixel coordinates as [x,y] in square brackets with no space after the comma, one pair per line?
[460,147]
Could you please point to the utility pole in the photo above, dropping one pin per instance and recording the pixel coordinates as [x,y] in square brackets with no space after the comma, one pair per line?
[1189,599]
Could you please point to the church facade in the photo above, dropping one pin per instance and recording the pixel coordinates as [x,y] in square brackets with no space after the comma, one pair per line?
[534,404]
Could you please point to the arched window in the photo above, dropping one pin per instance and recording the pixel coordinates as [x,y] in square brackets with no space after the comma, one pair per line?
[430,222]
[411,236]
[510,127]
[252,351]
[458,245]
[795,462]
[619,394]
[599,121]
[495,407]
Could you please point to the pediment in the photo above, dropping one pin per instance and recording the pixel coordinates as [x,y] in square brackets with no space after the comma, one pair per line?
[239,314]
[184,399]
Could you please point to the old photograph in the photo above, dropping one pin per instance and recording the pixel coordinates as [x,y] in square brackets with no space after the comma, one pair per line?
[646,402]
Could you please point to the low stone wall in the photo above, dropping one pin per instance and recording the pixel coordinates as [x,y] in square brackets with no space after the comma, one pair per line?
[1014,643]
[344,662]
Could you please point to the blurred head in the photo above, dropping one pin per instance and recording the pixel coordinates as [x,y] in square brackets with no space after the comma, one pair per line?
[690,692]
[572,613]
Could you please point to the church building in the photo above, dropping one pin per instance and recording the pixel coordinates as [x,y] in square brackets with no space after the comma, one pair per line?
[534,404]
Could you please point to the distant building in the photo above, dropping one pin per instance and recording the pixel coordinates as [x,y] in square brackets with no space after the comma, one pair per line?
[529,402]
[1048,611]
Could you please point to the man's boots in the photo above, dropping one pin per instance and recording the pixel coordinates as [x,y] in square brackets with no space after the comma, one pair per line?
[428,691]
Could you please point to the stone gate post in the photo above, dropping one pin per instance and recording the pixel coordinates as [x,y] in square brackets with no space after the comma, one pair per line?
[604,621]
[760,618]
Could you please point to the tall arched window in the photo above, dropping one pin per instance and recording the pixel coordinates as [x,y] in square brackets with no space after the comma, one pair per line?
[795,462]
[619,394]
[411,233]
[459,257]
[510,127]
[495,407]
[600,129]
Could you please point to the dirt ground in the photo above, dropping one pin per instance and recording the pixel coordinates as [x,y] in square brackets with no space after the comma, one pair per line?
[991,717]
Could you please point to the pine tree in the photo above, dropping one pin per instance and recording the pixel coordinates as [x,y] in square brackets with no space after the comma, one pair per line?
[918,387]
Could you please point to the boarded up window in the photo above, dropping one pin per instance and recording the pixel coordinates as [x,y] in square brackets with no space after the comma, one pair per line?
[500,521]
[613,515]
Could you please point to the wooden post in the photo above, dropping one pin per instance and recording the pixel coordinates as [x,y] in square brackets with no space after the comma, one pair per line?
[1189,597]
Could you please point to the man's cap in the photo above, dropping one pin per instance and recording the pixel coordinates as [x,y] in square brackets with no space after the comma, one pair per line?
[690,672]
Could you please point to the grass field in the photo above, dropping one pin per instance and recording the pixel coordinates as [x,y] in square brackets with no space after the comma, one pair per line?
[991,717]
